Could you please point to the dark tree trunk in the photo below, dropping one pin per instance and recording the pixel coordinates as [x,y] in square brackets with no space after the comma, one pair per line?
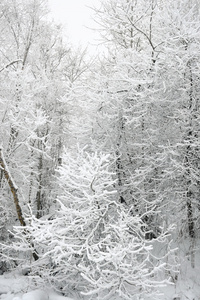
[14,191]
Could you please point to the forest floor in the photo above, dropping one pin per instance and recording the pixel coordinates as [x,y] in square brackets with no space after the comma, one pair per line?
[185,286]
[15,286]
[12,288]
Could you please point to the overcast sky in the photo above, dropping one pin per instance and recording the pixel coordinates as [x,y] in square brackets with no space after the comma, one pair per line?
[75,15]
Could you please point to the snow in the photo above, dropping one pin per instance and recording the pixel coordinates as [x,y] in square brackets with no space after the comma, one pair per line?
[186,286]
[34,295]
[12,288]
[15,286]
[6,169]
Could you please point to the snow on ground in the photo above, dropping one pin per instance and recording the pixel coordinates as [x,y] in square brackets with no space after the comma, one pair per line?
[34,295]
[15,287]
[187,284]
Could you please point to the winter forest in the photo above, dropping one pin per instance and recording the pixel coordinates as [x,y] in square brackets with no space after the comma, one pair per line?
[100,155]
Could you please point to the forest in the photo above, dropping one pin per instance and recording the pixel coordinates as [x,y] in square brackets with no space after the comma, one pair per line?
[100,155]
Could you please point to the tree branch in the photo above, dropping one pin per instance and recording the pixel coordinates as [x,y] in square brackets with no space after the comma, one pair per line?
[142,32]
[10,64]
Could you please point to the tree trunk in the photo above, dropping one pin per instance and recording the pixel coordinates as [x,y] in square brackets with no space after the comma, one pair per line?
[39,191]
[14,190]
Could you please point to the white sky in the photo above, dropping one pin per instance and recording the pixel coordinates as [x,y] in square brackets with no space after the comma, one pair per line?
[75,15]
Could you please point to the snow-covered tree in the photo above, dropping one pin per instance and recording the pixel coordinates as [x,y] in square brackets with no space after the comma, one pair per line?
[181,48]
[33,120]
[128,100]
[93,244]
[148,106]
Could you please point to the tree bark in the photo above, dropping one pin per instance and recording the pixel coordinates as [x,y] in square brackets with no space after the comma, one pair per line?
[14,190]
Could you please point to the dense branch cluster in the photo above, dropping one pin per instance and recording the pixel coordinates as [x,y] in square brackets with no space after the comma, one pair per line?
[101,158]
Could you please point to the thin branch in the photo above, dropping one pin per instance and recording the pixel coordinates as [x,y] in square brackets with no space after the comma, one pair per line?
[10,64]
[142,32]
